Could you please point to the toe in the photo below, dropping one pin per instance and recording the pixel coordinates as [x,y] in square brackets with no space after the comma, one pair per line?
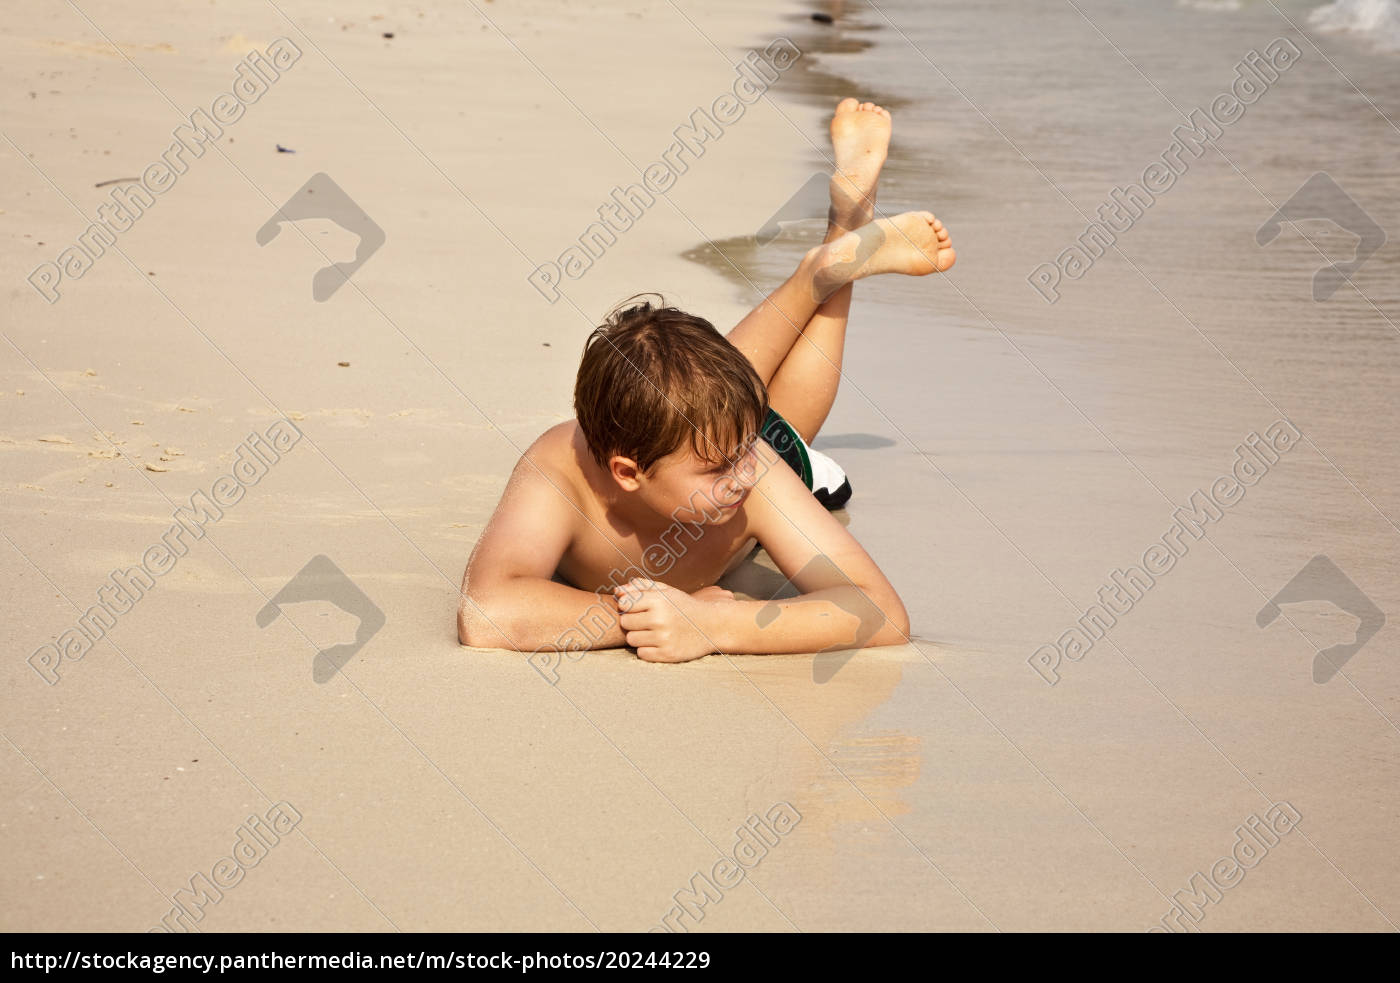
[847,105]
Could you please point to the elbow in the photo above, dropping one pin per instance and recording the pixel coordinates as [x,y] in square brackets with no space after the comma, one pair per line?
[467,631]
[883,620]
[895,629]
[478,627]
[892,633]
[882,616]
[898,633]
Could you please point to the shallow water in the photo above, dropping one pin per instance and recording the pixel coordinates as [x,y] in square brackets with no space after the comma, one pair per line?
[1009,453]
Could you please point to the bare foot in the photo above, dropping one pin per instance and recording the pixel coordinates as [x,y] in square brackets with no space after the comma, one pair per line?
[860,137]
[914,243]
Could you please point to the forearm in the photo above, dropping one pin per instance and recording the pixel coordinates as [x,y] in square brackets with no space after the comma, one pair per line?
[529,613]
[844,616]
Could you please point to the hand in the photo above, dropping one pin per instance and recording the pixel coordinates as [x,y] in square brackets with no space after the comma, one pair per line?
[665,624]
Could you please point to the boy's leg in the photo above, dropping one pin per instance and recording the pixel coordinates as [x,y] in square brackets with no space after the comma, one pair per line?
[913,243]
[803,389]
[766,334]
[797,347]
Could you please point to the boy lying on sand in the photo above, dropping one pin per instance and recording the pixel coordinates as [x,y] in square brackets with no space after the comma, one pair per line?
[684,453]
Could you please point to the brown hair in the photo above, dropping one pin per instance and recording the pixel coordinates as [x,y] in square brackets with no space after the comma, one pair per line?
[652,376]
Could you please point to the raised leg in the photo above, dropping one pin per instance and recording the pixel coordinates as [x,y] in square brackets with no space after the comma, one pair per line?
[912,243]
[766,334]
[796,351]
[803,389]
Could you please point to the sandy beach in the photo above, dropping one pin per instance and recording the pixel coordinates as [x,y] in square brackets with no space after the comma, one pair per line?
[1088,501]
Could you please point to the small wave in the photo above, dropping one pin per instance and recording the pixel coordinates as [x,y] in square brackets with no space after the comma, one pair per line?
[1210,4]
[1377,20]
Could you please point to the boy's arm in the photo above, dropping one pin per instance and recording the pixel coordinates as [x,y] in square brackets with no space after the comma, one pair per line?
[509,599]
[845,599]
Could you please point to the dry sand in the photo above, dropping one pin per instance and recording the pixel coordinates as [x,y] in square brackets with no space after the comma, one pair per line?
[941,785]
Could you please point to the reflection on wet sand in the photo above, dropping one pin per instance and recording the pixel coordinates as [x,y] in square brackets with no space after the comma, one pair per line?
[830,715]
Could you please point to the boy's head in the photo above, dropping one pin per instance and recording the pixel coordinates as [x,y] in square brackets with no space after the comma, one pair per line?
[659,386]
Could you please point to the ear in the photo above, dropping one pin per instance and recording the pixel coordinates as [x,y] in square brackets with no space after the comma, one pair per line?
[625,472]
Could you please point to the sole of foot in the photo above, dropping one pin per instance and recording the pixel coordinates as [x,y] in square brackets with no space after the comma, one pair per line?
[860,139]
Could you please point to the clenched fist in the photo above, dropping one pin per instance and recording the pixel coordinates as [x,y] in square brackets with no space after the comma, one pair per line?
[665,624]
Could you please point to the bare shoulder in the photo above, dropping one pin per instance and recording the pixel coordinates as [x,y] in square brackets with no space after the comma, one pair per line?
[552,461]
[535,520]
[553,452]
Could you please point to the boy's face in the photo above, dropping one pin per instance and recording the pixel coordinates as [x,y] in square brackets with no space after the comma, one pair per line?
[685,487]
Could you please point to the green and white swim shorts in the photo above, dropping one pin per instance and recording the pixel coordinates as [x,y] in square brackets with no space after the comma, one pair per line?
[823,476]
